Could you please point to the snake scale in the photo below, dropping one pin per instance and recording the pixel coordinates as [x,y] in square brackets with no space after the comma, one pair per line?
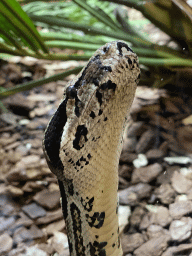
[82,146]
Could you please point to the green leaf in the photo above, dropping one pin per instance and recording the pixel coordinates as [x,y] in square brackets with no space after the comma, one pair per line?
[98,13]
[33,84]
[20,25]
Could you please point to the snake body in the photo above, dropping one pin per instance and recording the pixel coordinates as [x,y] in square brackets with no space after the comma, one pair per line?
[82,146]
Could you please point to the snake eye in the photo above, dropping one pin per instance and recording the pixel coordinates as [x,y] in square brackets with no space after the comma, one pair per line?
[71,92]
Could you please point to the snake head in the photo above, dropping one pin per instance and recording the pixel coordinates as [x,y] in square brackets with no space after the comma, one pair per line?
[104,88]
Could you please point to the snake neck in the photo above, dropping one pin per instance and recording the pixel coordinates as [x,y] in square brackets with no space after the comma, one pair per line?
[91,210]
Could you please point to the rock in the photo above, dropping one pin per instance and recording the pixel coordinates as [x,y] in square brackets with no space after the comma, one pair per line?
[181,229]
[5,223]
[129,144]
[6,243]
[147,220]
[153,247]
[130,195]
[32,186]
[162,216]
[136,216]
[154,154]
[125,171]
[59,242]
[14,191]
[180,183]
[18,251]
[29,160]
[34,211]
[165,193]
[159,216]
[127,157]
[145,142]
[17,175]
[124,212]
[127,197]
[46,248]
[131,242]
[184,136]
[146,174]
[48,199]
[6,210]
[23,234]
[140,161]
[182,249]
[136,129]
[50,217]
[165,177]
[55,227]
[34,251]
[154,231]
[23,220]
[179,209]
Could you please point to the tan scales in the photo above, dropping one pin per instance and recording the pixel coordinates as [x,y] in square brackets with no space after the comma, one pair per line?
[84,149]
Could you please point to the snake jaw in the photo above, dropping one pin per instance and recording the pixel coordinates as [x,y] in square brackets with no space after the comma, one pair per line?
[82,146]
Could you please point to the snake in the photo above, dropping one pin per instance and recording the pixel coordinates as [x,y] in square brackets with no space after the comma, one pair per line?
[82,145]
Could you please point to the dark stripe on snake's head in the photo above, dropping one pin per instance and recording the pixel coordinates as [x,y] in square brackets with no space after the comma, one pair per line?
[81,133]
[120,45]
[99,69]
[52,138]
[97,248]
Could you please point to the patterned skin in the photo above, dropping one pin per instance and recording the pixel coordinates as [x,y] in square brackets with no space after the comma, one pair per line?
[82,146]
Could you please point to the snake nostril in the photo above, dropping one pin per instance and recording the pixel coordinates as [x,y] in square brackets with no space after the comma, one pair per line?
[105,49]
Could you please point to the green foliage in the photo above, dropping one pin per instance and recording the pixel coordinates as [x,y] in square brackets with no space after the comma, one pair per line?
[86,25]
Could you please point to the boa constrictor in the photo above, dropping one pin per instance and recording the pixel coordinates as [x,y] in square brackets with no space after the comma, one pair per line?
[82,145]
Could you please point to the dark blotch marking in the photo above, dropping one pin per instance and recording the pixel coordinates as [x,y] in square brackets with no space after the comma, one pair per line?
[77,112]
[89,156]
[52,138]
[77,229]
[99,97]
[113,245]
[70,161]
[96,82]
[92,114]
[81,131]
[108,85]
[105,119]
[130,61]
[83,159]
[120,45]
[100,112]
[97,249]
[97,64]
[87,203]
[96,220]
[78,163]
[107,68]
